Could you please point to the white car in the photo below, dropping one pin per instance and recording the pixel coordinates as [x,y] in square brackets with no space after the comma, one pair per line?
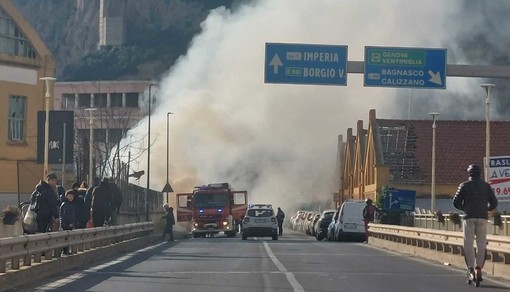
[260,220]
[350,223]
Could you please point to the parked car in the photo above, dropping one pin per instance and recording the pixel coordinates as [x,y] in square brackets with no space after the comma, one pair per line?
[350,222]
[295,219]
[330,235]
[321,226]
[311,226]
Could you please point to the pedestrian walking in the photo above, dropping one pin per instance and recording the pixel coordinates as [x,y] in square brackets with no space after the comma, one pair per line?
[88,198]
[44,202]
[170,222]
[117,200]
[101,205]
[279,217]
[67,215]
[80,209]
[369,215]
[476,198]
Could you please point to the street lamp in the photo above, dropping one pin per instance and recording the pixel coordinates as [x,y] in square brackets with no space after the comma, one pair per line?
[168,188]
[47,123]
[487,88]
[148,156]
[91,143]
[433,186]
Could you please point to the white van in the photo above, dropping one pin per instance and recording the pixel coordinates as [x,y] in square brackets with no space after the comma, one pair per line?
[350,222]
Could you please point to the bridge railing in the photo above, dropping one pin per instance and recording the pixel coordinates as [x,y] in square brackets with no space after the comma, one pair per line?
[32,248]
[440,245]
[432,222]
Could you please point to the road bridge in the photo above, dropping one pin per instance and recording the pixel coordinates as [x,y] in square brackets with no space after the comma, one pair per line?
[295,262]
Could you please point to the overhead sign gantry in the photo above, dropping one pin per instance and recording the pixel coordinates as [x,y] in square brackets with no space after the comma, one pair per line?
[405,67]
[305,64]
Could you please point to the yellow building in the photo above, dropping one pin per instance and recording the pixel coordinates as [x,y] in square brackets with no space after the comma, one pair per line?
[23,60]
[398,153]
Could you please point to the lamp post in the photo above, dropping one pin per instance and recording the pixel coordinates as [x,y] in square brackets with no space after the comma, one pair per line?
[91,143]
[47,123]
[168,188]
[487,88]
[433,183]
[148,155]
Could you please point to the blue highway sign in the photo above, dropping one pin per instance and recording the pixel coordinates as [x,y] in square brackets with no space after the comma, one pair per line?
[405,67]
[305,64]
[404,200]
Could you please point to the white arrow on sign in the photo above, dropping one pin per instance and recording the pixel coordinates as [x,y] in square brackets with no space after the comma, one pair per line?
[275,62]
[391,200]
[435,77]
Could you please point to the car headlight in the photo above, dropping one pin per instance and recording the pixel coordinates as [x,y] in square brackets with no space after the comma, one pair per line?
[225,223]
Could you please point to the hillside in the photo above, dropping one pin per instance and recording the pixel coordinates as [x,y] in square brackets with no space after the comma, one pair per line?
[157,33]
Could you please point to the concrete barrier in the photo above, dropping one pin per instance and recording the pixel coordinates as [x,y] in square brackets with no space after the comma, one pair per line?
[445,247]
[40,253]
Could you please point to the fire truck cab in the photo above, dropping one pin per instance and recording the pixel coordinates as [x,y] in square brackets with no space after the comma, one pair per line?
[211,209]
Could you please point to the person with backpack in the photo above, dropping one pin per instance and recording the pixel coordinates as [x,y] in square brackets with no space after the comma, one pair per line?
[369,215]
[279,217]
[476,198]
[102,202]
[44,202]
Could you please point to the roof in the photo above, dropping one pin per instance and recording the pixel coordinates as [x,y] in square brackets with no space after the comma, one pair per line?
[407,147]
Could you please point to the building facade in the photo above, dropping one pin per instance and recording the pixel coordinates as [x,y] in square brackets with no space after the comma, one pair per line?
[24,59]
[398,154]
[116,108]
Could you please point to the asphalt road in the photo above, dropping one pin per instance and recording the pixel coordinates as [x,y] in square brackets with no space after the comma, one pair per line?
[293,263]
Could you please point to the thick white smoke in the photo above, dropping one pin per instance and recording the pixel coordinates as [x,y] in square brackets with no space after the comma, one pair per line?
[280,141]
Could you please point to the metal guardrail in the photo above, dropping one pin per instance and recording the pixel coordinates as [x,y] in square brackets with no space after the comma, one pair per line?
[28,248]
[431,221]
[498,247]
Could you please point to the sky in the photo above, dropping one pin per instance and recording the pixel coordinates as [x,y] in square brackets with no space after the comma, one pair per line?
[280,141]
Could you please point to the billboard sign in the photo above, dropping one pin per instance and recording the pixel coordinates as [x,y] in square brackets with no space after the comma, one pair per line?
[500,177]
[56,145]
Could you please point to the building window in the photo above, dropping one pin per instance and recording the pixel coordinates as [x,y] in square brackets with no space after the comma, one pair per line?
[16,129]
[12,40]
[115,135]
[116,100]
[100,100]
[84,100]
[132,99]
[68,101]
[99,135]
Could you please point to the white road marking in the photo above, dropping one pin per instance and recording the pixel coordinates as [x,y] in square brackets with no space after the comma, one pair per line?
[290,276]
[74,277]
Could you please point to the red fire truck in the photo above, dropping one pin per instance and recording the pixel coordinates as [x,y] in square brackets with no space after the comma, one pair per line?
[212,208]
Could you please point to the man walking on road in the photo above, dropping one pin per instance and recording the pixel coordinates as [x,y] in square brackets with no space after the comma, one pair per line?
[45,203]
[170,222]
[279,217]
[475,197]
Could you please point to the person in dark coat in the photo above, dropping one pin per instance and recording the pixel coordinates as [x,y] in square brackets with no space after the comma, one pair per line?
[88,195]
[170,222]
[47,213]
[102,202]
[67,214]
[476,198]
[279,217]
[80,209]
[117,200]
